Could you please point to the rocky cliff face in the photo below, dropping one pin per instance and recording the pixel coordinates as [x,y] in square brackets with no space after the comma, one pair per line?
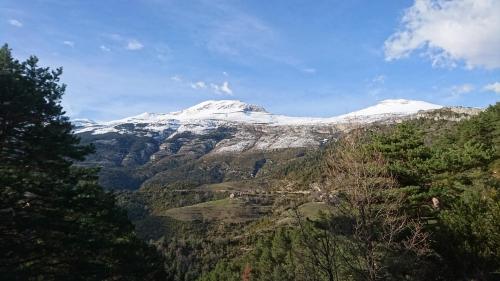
[217,141]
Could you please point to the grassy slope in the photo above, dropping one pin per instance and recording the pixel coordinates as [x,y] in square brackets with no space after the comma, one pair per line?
[224,210]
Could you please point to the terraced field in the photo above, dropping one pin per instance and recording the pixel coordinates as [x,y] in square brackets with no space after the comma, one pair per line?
[225,210]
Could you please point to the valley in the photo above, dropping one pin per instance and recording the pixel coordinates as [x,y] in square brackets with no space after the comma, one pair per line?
[250,140]
[212,180]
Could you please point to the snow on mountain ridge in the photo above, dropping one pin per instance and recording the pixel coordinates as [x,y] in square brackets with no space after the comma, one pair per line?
[394,106]
[211,109]
[221,106]
[210,114]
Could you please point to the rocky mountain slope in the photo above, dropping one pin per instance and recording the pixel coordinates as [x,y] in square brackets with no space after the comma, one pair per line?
[217,141]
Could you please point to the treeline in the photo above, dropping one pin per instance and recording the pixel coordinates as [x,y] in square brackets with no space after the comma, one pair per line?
[416,201]
[56,222]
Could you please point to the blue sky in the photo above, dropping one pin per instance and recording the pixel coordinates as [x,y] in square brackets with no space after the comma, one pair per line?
[300,58]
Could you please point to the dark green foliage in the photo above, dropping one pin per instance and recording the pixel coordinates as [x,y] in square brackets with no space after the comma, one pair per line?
[56,222]
[470,235]
[119,179]
[224,270]
[34,133]
[305,169]
[273,258]
[406,153]
[286,253]
[196,249]
[458,168]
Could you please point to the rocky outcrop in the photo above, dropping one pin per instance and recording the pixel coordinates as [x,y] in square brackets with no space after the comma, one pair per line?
[217,141]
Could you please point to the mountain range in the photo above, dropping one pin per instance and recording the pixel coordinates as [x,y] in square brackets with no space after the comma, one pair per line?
[217,141]
[200,117]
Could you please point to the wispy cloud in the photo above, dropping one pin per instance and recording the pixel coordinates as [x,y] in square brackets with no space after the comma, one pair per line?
[493,87]
[199,85]
[232,32]
[375,86]
[134,45]
[123,41]
[104,48]
[449,32]
[242,36]
[69,43]
[462,89]
[176,78]
[222,89]
[15,23]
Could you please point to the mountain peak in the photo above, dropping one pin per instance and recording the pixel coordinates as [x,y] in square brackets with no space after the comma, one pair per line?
[236,111]
[395,106]
[222,107]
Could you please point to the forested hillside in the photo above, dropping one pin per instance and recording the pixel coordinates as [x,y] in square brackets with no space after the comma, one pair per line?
[424,193]
[416,201]
[412,199]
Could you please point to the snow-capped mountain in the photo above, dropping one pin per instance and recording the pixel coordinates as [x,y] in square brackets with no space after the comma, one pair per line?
[219,140]
[210,114]
[394,106]
[253,127]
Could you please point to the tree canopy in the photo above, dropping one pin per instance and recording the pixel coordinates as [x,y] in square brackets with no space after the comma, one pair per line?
[56,223]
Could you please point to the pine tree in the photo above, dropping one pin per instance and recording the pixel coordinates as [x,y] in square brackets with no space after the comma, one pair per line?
[56,223]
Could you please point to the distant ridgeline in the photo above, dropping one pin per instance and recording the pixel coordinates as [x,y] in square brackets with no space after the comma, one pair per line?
[218,141]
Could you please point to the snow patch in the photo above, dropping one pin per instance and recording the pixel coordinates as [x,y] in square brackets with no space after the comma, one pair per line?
[394,106]
[211,114]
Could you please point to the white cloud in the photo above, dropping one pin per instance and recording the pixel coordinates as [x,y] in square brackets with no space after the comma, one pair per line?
[104,48]
[199,85]
[222,89]
[448,32]
[462,89]
[15,23]
[225,73]
[225,88]
[493,87]
[134,45]
[69,43]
